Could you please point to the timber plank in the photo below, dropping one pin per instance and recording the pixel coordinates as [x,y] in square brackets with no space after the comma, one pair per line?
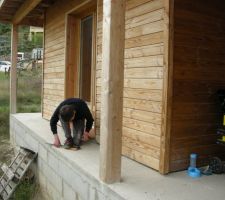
[144,29]
[144,19]
[141,115]
[150,128]
[145,72]
[141,147]
[143,51]
[145,105]
[144,8]
[153,38]
[141,136]
[143,94]
[140,157]
[149,61]
[143,83]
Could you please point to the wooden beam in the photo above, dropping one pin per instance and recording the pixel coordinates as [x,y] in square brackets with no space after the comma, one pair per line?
[167,87]
[38,22]
[13,78]
[26,7]
[112,90]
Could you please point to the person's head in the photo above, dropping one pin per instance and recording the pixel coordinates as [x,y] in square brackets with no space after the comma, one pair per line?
[67,113]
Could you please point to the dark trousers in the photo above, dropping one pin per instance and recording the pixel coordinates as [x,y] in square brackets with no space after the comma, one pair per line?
[77,130]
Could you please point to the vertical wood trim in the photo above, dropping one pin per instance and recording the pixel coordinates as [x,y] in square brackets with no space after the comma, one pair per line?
[13,78]
[43,65]
[93,72]
[112,90]
[167,87]
[72,56]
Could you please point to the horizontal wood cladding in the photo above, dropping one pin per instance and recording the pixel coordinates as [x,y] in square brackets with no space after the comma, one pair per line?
[199,71]
[143,79]
[54,58]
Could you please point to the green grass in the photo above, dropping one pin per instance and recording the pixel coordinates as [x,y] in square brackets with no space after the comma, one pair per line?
[28,100]
[4,106]
[25,190]
[29,91]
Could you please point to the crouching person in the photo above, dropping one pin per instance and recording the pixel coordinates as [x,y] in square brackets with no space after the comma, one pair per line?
[72,114]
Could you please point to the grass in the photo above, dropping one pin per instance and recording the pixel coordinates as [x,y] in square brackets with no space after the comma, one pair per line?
[29,91]
[4,105]
[25,190]
[28,100]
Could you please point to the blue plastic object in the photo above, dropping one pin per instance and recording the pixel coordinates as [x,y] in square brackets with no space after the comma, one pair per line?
[193,158]
[194,172]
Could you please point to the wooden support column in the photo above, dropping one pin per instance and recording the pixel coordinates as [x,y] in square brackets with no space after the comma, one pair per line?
[13,78]
[112,90]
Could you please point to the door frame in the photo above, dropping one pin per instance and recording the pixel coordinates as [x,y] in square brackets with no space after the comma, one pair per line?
[72,50]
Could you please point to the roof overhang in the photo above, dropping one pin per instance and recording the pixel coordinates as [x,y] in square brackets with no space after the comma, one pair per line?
[24,12]
[1,3]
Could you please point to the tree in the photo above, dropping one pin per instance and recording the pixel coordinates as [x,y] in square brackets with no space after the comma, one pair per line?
[5,41]
[4,28]
[26,42]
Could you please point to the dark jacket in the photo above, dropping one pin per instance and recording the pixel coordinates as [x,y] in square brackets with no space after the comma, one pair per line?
[82,112]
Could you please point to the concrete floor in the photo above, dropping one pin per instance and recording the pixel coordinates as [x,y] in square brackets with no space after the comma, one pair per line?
[138,182]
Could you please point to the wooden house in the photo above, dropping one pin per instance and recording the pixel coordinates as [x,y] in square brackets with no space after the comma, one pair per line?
[148,69]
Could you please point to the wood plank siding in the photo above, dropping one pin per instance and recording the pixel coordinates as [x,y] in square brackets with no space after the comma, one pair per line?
[54,59]
[143,79]
[199,71]
[143,75]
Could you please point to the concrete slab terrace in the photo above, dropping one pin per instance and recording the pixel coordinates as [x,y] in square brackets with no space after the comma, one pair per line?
[67,174]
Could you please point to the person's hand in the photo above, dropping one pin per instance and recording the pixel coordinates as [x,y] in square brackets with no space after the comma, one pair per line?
[85,136]
[91,134]
[56,142]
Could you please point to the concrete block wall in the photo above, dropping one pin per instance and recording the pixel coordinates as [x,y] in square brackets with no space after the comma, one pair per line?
[58,178]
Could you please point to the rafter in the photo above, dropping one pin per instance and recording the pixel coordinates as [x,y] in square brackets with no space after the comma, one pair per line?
[27,6]
[1,3]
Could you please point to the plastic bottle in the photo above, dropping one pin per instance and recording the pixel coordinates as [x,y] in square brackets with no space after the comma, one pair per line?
[193,158]
[192,170]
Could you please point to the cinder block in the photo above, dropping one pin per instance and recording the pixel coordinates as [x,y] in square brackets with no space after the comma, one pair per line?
[75,180]
[92,193]
[33,143]
[68,192]
[42,181]
[19,131]
[53,161]
[52,192]
[19,141]
[39,164]
[52,177]
[42,152]
[100,196]
[79,197]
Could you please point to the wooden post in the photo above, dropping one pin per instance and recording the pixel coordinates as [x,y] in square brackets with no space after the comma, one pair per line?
[13,89]
[112,90]
[167,87]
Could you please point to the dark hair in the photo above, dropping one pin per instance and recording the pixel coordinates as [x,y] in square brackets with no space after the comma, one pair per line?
[66,112]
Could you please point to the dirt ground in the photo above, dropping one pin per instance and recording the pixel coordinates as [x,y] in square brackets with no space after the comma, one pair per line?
[6,151]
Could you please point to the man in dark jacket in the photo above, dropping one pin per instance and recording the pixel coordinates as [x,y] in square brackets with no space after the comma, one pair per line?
[72,114]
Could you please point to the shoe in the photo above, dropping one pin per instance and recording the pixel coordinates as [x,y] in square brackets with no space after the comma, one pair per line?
[68,143]
[77,147]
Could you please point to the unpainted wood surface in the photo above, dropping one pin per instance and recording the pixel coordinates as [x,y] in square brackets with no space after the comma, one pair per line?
[55,49]
[143,82]
[143,79]
[199,58]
